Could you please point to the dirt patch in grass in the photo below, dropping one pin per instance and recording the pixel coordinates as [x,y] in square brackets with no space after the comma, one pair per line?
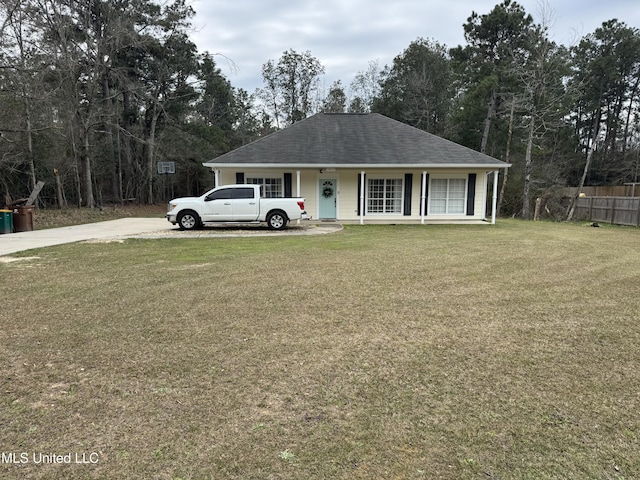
[446,352]
[7,259]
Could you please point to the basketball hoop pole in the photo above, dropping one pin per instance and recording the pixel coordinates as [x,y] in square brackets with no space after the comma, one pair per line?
[164,169]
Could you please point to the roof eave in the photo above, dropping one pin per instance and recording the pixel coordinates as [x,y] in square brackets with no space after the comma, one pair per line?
[323,166]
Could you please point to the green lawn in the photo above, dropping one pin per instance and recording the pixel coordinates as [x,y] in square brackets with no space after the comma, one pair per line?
[456,352]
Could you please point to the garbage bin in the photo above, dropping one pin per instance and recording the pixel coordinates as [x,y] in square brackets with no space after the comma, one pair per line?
[23,218]
[6,221]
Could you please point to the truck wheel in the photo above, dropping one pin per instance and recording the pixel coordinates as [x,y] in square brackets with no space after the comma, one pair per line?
[277,220]
[188,220]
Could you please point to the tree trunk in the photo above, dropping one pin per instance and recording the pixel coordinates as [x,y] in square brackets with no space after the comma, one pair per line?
[592,147]
[76,161]
[536,213]
[110,135]
[487,122]
[528,167]
[120,192]
[125,149]
[86,170]
[507,158]
[151,151]
[29,128]
[62,202]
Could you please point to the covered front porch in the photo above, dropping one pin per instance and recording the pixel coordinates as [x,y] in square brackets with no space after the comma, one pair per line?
[378,195]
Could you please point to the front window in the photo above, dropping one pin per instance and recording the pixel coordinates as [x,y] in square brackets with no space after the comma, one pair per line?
[271,187]
[223,194]
[384,195]
[447,196]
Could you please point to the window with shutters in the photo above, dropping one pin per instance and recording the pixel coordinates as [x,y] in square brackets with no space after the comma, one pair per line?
[447,196]
[384,195]
[271,187]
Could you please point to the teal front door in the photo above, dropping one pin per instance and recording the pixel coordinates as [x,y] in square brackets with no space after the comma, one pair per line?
[327,201]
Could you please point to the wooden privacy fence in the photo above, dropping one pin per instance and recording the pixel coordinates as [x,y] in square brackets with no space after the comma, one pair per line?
[618,210]
[631,190]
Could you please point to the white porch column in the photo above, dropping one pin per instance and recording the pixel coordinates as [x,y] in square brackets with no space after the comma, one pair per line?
[362,196]
[494,203]
[298,187]
[423,197]
[216,176]
[485,196]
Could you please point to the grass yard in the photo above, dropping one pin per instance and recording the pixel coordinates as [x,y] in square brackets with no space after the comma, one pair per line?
[391,352]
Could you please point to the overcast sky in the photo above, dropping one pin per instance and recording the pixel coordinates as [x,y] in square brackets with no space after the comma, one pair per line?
[345,35]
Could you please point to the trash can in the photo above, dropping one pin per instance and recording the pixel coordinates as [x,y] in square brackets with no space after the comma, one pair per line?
[6,221]
[23,218]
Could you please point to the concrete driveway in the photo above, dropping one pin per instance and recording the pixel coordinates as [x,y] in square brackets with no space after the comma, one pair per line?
[141,228]
[121,228]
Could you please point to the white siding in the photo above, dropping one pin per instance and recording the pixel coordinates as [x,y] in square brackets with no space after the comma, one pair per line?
[347,190]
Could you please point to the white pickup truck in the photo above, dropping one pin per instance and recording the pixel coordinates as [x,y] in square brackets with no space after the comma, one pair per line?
[235,204]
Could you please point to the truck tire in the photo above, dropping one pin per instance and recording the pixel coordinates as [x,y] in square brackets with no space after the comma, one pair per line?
[277,220]
[188,220]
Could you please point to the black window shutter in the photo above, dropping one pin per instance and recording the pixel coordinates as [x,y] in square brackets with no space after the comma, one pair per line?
[471,194]
[287,185]
[239,177]
[426,194]
[408,188]
[360,194]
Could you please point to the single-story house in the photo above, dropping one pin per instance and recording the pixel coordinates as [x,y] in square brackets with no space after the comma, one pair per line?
[365,167]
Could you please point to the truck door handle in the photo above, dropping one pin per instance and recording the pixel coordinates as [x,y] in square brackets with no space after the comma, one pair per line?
[252,203]
[228,203]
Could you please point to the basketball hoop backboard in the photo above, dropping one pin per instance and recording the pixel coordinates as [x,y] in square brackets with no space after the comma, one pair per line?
[166,167]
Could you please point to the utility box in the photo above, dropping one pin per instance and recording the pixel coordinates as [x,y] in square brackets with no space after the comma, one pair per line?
[6,221]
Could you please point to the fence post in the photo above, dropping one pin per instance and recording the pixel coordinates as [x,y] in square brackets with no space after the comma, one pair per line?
[591,209]
[638,213]
[536,213]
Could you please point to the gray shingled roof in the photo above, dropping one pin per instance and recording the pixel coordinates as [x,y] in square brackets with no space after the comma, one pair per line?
[358,140]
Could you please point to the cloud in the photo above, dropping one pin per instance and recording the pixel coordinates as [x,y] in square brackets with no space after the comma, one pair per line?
[346,35]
